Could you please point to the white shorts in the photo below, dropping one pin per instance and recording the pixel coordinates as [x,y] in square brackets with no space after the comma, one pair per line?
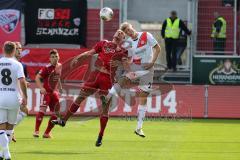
[8,115]
[144,78]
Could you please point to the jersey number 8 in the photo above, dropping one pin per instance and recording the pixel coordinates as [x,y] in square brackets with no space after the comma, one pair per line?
[6,79]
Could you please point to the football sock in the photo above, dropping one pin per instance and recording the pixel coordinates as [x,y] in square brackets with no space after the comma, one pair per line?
[39,118]
[73,108]
[9,135]
[20,117]
[103,124]
[141,115]
[4,144]
[50,125]
[114,91]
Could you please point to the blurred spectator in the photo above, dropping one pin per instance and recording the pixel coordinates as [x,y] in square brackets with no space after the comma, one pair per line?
[170,32]
[219,28]
[228,3]
[182,44]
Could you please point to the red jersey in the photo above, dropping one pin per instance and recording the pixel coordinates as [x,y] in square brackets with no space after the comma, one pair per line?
[107,51]
[50,75]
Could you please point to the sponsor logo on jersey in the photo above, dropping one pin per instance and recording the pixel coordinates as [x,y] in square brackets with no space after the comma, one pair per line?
[9,19]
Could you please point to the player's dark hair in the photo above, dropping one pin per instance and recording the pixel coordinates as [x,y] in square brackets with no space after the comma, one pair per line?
[173,13]
[53,51]
[9,47]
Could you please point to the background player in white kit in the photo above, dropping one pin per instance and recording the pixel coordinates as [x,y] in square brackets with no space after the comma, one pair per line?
[23,108]
[11,95]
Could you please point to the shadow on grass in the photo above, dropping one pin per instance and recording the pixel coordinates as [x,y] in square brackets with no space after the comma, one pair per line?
[56,152]
[225,121]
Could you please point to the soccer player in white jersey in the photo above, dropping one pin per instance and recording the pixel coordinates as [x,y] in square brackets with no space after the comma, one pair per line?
[11,95]
[143,51]
[23,108]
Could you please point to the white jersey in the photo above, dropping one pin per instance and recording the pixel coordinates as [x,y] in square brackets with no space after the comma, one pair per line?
[10,71]
[141,52]
[141,49]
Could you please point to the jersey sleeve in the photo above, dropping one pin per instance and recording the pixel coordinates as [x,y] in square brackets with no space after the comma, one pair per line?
[20,72]
[43,72]
[151,40]
[98,46]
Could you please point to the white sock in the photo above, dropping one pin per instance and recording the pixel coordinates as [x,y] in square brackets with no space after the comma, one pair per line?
[4,144]
[114,91]
[141,115]
[1,152]
[20,117]
[9,135]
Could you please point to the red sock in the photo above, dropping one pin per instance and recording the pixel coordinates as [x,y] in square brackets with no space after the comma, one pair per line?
[50,125]
[103,124]
[39,118]
[73,108]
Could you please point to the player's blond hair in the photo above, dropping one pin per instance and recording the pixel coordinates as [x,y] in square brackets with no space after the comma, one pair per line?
[9,47]
[124,26]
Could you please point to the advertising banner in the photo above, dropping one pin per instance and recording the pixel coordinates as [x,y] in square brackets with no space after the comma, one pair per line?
[56,21]
[182,101]
[214,70]
[172,103]
[10,26]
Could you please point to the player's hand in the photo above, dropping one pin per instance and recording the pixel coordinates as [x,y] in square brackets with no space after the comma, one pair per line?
[43,91]
[148,66]
[24,108]
[24,100]
[73,62]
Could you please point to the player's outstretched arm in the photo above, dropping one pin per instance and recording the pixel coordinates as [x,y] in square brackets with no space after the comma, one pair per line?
[82,57]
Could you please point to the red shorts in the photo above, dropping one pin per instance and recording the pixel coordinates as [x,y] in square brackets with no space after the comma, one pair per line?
[98,81]
[50,99]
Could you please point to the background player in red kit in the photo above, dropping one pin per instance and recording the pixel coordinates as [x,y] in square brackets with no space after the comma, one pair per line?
[50,76]
[109,53]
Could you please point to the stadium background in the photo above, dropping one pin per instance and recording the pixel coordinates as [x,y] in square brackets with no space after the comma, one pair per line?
[188,97]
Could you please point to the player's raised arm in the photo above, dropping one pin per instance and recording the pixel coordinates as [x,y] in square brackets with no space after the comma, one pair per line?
[82,57]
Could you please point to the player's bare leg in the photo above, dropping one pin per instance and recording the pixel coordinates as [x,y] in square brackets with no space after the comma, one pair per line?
[84,93]
[103,120]
[142,108]
[21,115]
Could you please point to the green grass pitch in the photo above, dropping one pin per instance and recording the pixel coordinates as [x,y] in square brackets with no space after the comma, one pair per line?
[166,140]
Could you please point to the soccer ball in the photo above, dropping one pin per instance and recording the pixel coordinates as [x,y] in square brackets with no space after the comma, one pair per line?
[106,14]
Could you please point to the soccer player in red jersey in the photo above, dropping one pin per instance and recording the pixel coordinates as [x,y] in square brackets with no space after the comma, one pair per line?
[50,76]
[110,55]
